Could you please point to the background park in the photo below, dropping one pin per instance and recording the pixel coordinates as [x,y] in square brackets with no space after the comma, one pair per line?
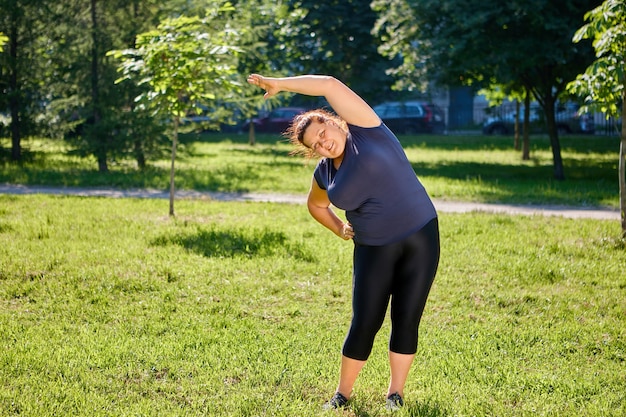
[120,307]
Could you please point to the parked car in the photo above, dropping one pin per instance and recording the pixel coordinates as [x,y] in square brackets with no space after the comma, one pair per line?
[276,121]
[568,119]
[411,117]
[504,124]
[204,120]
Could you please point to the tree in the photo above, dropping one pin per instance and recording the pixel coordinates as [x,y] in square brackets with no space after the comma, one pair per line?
[185,62]
[331,37]
[495,94]
[473,42]
[20,66]
[110,126]
[603,84]
[84,105]
[137,133]
[259,16]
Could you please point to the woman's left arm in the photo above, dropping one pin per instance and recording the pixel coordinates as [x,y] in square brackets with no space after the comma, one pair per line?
[319,207]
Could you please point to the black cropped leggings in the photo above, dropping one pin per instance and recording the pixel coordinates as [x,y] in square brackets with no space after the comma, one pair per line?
[403,271]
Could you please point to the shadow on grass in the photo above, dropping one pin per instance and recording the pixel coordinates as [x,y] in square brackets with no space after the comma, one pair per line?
[569,143]
[412,409]
[243,138]
[425,409]
[574,170]
[589,181]
[233,243]
[579,143]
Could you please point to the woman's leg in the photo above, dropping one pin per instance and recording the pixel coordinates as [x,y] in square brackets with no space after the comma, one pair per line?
[400,366]
[350,369]
[371,290]
[372,275]
[414,277]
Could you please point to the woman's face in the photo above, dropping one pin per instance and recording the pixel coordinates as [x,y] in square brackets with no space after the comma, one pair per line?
[325,139]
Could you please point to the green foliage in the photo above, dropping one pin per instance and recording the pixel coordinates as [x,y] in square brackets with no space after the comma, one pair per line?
[107,307]
[86,107]
[518,44]
[400,37]
[186,62]
[21,69]
[332,37]
[3,39]
[603,84]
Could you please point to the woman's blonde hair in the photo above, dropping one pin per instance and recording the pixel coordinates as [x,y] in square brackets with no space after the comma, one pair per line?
[295,131]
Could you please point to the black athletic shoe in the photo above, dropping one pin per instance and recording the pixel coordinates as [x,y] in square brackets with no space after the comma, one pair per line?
[338,401]
[394,402]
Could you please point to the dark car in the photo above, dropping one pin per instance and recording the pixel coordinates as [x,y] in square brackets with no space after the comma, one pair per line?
[276,121]
[504,123]
[411,117]
[568,120]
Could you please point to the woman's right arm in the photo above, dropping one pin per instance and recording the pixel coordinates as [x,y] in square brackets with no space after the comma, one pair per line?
[319,207]
[346,103]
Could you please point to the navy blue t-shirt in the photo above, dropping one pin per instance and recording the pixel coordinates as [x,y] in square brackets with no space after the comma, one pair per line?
[377,187]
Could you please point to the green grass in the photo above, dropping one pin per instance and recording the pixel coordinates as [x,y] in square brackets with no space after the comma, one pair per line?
[108,307]
[469,168]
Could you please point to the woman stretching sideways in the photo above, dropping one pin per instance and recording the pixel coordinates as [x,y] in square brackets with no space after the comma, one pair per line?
[390,219]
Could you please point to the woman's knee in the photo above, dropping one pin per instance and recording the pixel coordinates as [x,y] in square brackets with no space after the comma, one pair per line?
[360,339]
[404,340]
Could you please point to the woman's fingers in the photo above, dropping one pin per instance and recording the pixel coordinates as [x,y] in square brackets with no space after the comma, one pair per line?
[262,82]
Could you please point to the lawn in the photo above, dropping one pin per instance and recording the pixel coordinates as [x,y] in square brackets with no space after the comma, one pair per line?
[110,307]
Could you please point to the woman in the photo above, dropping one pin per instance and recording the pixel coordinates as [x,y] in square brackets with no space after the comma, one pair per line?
[391,220]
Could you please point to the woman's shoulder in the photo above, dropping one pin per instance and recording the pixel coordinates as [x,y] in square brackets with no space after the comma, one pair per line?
[379,132]
[322,164]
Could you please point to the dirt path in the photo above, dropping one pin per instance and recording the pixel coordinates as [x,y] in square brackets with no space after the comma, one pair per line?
[441,205]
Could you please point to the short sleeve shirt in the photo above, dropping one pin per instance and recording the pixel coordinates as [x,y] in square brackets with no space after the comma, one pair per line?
[377,187]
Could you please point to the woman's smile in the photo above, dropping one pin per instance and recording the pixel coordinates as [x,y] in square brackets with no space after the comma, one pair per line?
[325,139]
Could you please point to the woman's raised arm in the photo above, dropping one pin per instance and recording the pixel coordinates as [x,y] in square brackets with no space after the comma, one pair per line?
[346,103]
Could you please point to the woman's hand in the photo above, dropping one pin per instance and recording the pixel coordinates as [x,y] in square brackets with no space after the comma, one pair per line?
[270,85]
[347,232]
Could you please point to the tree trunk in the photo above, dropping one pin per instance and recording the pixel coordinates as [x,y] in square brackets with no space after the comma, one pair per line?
[526,139]
[140,155]
[101,153]
[622,167]
[174,142]
[516,135]
[559,173]
[14,91]
[251,136]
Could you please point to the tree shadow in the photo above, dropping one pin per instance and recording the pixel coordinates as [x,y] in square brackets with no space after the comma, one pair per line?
[569,143]
[216,243]
[586,184]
